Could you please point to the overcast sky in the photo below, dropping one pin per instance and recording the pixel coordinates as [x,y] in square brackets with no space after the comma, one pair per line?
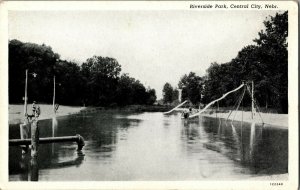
[153,46]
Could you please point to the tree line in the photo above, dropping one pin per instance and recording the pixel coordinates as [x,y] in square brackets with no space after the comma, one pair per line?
[96,82]
[265,63]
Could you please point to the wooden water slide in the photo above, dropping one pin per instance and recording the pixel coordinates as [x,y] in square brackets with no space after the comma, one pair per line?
[175,108]
[211,103]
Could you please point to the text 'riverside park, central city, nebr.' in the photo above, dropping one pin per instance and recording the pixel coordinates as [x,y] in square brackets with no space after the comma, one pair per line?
[233,6]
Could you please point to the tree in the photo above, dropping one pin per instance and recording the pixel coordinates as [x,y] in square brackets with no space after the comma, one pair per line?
[151,98]
[68,82]
[167,93]
[39,59]
[124,92]
[191,86]
[101,76]
[273,42]
[175,94]
[265,63]
[131,91]
[139,93]
[96,82]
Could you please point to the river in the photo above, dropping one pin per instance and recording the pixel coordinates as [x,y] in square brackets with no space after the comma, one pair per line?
[151,146]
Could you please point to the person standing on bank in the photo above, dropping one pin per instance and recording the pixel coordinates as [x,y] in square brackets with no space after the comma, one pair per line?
[36,111]
[26,128]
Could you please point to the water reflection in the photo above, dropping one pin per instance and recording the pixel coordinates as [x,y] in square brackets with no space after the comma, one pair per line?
[190,131]
[151,146]
[34,169]
[30,167]
[237,146]
[252,139]
[54,132]
[249,144]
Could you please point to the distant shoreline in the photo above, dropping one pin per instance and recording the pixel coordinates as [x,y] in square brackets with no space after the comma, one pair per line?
[131,108]
[16,113]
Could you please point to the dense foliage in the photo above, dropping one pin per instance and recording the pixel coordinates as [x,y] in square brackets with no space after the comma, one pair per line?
[191,86]
[131,91]
[37,59]
[265,63]
[170,94]
[97,82]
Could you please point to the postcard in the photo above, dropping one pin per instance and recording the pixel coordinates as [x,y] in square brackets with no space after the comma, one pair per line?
[149,95]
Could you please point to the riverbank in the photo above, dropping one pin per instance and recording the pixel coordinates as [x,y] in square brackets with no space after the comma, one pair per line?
[277,120]
[129,108]
[274,119]
[16,112]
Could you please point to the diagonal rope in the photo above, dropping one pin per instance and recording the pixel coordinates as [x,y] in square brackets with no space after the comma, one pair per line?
[219,110]
[175,107]
[238,100]
[239,104]
[243,110]
[255,104]
[211,103]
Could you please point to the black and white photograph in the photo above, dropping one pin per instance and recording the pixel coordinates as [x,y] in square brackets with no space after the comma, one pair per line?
[179,92]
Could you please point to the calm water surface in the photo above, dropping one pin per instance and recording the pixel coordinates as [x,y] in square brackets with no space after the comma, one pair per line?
[152,146]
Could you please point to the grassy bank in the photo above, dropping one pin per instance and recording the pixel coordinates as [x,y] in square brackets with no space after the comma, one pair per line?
[16,112]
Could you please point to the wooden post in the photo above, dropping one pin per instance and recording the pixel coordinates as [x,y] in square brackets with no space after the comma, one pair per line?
[24,134]
[80,142]
[54,125]
[179,95]
[54,94]
[24,127]
[252,99]
[34,169]
[78,139]
[252,139]
[34,137]
[25,98]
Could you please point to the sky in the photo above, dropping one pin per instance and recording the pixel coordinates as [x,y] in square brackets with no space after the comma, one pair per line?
[154,47]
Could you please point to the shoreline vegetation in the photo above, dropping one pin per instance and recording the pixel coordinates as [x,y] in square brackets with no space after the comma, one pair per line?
[274,119]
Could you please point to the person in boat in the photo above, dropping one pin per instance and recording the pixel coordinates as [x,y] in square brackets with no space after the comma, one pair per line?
[187,113]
